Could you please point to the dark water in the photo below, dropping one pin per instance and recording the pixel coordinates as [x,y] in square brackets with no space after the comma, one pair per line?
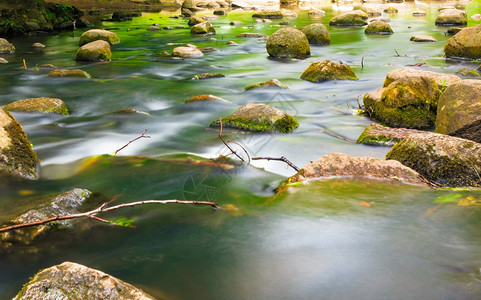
[315,242]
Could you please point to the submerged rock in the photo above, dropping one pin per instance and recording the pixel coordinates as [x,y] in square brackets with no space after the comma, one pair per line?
[6,47]
[443,159]
[259,117]
[206,98]
[186,52]
[17,158]
[273,83]
[451,17]
[153,28]
[204,28]
[353,18]
[467,72]
[43,105]
[98,34]
[453,30]
[465,44]
[71,281]
[3,60]
[328,70]
[422,38]
[38,45]
[203,76]
[235,23]
[75,73]
[378,27]
[252,35]
[288,43]
[376,134]
[94,51]
[268,15]
[459,110]
[317,34]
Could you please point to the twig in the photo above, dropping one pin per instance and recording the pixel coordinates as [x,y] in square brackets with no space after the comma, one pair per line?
[362,62]
[396,52]
[238,144]
[137,138]
[103,208]
[227,145]
[428,182]
[361,107]
[337,136]
[282,158]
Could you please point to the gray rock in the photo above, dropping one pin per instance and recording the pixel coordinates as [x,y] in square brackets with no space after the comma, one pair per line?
[235,23]
[38,45]
[153,28]
[194,20]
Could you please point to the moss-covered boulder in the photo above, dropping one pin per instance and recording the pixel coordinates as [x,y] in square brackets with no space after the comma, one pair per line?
[74,73]
[459,110]
[467,72]
[259,117]
[288,43]
[6,47]
[443,80]
[449,17]
[273,83]
[194,20]
[328,70]
[206,98]
[186,52]
[204,28]
[17,159]
[203,76]
[465,44]
[71,281]
[98,34]
[376,134]
[317,34]
[378,27]
[353,18]
[344,165]
[422,38]
[443,159]
[94,51]
[276,14]
[42,104]
[254,35]
[391,10]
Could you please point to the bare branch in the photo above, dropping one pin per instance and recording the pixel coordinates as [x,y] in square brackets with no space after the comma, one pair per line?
[227,145]
[282,158]
[335,135]
[362,62]
[137,138]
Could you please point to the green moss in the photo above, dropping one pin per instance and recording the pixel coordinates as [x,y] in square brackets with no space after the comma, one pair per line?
[327,70]
[368,138]
[76,73]
[283,125]
[43,105]
[268,15]
[378,27]
[94,51]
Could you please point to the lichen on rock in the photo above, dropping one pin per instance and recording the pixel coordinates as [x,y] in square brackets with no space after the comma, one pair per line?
[328,70]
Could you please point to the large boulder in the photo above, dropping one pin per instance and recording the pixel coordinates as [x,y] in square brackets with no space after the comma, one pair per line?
[71,281]
[465,44]
[376,134]
[317,34]
[42,104]
[204,28]
[17,158]
[259,117]
[378,27]
[288,43]
[443,80]
[74,73]
[186,52]
[448,17]
[98,34]
[459,110]
[344,165]
[353,18]
[442,159]
[94,51]
[328,70]
[6,47]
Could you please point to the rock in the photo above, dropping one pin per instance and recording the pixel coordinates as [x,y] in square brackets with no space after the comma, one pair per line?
[442,159]
[210,17]
[353,18]
[220,12]
[75,73]
[3,60]
[459,110]
[378,27]
[273,83]
[376,134]
[453,30]
[17,158]
[328,70]
[231,43]
[382,19]
[74,281]
[189,4]
[203,76]
[259,117]
[153,28]
[465,44]
[266,21]
[316,13]
[391,10]
[95,51]
[288,43]
[38,45]
[236,23]
[6,47]
[43,105]
[451,17]
[186,12]
[168,27]
[446,7]
[98,34]
[419,13]
[285,23]
[194,20]
[476,17]
[344,165]
[186,52]
[205,98]
[371,12]
[317,34]
[422,38]
[268,15]
[252,35]
[204,28]
[207,49]
[443,80]
[467,72]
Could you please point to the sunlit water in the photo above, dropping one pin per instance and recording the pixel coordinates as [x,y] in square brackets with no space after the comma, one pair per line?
[315,242]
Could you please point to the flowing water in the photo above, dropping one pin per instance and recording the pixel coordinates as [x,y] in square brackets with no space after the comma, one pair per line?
[336,239]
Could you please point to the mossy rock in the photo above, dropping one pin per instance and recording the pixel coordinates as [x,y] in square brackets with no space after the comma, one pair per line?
[378,27]
[98,34]
[288,43]
[6,47]
[317,34]
[459,110]
[376,134]
[442,159]
[422,38]
[465,44]
[453,30]
[252,35]
[75,73]
[273,83]
[43,105]
[94,51]
[259,117]
[467,72]
[451,17]
[204,28]
[328,70]
[186,52]
[391,10]
[194,20]
[203,76]
[205,98]
[277,14]
[353,18]
[371,12]
[17,157]
[443,80]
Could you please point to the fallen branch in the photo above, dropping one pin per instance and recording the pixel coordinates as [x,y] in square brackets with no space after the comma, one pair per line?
[282,158]
[335,135]
[101,209]
[227,145]
[131,141]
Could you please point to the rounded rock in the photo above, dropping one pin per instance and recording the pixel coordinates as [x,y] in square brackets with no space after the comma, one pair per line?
[317,34]
[288,43]
[98,34]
